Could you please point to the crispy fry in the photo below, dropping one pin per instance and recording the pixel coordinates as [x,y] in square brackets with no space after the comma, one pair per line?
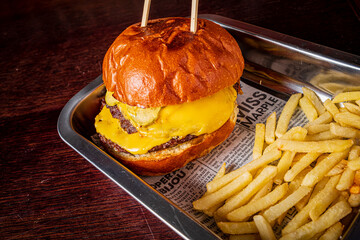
[304,162]
[283,166]
[331,107]
[286,114]
[244,196]
[277,210]
[354,152]
[324,118]
[302,216]
[354,200]
[259,140]
[264,228]
[315,100]
[253,165]
[238,227]
[346,96]
[347,178]
[318,128]
[319,171]
[337,169]
[270,128]
[346,132]
[354,164]
[263,191]
[354,189]
[295,133]
[322,205]
[352,108]
[333,232]
[224,193]
[319,187]
[349,119]
[221,171]
[330,217]
[242,213]
[314,146]
[326,135]
[308,108]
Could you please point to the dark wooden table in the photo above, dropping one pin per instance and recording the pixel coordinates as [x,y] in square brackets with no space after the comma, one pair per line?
[52,49]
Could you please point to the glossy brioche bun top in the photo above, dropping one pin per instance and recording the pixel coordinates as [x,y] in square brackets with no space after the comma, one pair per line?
[164,63]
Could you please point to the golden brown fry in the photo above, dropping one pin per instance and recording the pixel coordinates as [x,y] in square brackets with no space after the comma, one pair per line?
[277,210]
[352,108]
[283,166]
[300,165]
[326,135]
[349,119]
[354,164]
[242,213]
[324,118]
[212,199]
[237,227]
[331,107]
[270,128]
[253,165]
[244,196]
[318,128]
[330,217]
[322,205]
[346,132]
[315,100]
[354,200]
[308,108]
[337,169]
[333,232]
[320,170]
[354,189]
[346,96]
[286,114]
[314,146]
[259,140]
[264,228]
[346,180]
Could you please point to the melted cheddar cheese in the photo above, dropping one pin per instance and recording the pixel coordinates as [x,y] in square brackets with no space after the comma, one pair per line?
[202,116]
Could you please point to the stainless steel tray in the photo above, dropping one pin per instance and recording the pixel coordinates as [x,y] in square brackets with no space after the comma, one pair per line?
[276,61]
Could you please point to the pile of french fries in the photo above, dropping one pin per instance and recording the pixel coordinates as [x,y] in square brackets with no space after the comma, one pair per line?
[314,168]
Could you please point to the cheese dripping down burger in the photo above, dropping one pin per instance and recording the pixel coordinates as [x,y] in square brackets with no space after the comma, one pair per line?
[170,94]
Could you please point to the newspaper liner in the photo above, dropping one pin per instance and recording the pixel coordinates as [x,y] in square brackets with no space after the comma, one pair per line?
[187,184]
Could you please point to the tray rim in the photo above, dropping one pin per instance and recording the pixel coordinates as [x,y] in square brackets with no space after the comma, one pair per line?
[174,217]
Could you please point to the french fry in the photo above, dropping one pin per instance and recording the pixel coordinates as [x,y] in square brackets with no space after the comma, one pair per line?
[346,96]
[318,128]
[212,199]
[349,119]
[331,107]
[352,108]
[354,200]
[315,146]
[326,135]
[244,237]
[283,166]
[300,165]
[221,171]
[354,189]
[308,108]
[244,196]
[302,203]
[354,152]
[354,164]
[330,217]
[210,211]
[357,102]
[333,232]
[263,191]
[302,216]
[346,180]
[286,114]
[264,228]
[319,171]
[319,186]
[277,210]
[237,227]
[242,213]
[253,165]
[259,140]
[322,205]
[315,100]
[346,132]
[357,178]
[324,118]
[295,133]
[270,128]
[337,169]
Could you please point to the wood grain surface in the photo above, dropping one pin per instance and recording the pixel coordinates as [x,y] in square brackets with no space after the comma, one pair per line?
[52,49]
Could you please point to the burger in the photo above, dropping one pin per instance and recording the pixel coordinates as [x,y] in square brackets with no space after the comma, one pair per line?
[171,94]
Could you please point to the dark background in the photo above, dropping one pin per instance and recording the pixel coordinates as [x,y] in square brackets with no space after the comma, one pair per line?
[52,49]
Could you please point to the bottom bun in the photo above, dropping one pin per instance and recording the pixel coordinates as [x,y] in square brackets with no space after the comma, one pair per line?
[167,160]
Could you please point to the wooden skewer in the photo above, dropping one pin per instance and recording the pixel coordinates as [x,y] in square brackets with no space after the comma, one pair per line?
[194,13]
[146,11]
